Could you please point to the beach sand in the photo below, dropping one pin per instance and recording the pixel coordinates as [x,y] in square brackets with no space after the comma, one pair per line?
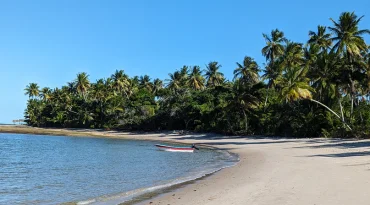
[270,171]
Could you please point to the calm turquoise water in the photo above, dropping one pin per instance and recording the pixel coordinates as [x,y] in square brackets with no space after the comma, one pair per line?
[56,169]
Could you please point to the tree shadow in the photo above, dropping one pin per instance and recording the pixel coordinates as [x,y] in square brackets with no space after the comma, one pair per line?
[246,143]
[354,165]
[206,139]
[342,144]
[343,155]
[212,136]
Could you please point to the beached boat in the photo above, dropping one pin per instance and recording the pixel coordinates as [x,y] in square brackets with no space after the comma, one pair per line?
[175,149]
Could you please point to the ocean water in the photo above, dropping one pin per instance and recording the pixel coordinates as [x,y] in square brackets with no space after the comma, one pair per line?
[43,169]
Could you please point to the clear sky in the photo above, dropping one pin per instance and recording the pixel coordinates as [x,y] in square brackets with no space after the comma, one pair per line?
[49,42]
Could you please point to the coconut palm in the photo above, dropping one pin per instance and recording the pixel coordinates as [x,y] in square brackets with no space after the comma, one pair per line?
[109,84]
[323,74]
[157,86]
[293,55]
[347,36]
[320,38]
[72,87]
[213,76]
[82,84]
[101,94]
[132,87]
[184,71]
[274,45]
[144,82]
[248,72]
[243,99]
[135,80]
[98,91]
[295,87]
[45,94]
[119,80]
[175,81]
[271,73]
[349,44]
[33,112]
[273,50]
[32,90]
[311,54]
[196,80]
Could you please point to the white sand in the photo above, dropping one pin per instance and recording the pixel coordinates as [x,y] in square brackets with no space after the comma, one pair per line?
[282,171]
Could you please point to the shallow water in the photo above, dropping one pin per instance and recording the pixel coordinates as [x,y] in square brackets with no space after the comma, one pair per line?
[57,169]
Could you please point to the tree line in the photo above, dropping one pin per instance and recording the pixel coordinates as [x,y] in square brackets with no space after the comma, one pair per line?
[317,88]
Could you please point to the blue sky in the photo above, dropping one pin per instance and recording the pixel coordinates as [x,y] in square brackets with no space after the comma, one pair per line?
[49,42]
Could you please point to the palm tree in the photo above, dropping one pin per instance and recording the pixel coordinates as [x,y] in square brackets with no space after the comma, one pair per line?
[82,83]
[33,112]
[320,38]
[45,94]
[135,80]
[109,84]
[248,72]
[271,73]
[175,81]
[349,44]
[347,36]
[98,91]
[184,71]
[273,50]
[144,82]
[100,94]
[157,86]
[295,87]
[274,47]
[132,86]
[244,99]
[196,80]
[293,55]
[72,87]
[32,90]
[311,54]
[120,80]
[322,74]
[213,76]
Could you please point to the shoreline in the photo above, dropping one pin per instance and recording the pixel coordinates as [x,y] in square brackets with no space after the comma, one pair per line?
[99,133]
[270,171]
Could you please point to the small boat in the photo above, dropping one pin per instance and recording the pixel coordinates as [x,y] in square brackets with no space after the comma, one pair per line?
[175,149]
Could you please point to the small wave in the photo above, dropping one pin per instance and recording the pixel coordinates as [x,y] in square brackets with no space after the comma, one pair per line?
[229,160]
[86,202]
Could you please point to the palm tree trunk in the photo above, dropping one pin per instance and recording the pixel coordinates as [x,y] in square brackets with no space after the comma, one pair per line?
[352,91]
[187,124]
[351,104]
[341,109]
[246,120]
[331,112]
[267,96]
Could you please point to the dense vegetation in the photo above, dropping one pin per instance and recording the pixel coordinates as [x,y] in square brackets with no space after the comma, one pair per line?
[320,88]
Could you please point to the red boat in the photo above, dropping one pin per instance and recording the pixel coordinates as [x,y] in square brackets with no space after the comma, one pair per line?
[175,149]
